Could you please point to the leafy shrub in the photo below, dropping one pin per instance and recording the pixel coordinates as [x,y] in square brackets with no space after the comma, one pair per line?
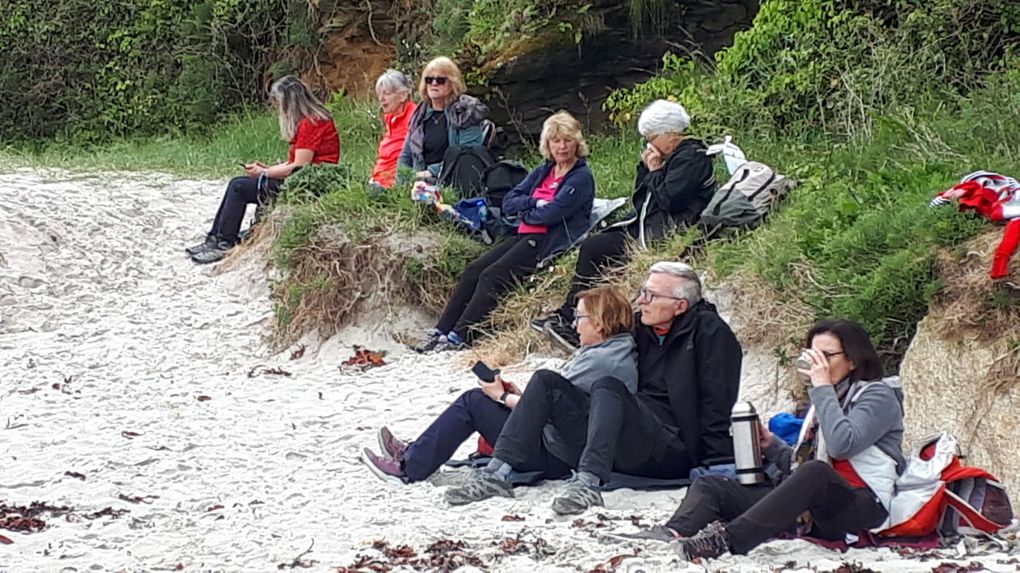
[96,70]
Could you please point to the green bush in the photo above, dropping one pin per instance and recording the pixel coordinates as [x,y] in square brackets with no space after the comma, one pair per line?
[97,70]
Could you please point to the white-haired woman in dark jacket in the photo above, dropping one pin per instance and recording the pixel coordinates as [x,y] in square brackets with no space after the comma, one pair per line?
[675,181]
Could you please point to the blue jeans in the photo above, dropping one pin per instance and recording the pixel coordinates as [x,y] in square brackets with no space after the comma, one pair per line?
[471,412]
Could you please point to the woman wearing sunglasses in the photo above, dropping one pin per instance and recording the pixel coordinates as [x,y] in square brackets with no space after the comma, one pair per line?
[604,320]
[675,181]
[841,473]
[446,116]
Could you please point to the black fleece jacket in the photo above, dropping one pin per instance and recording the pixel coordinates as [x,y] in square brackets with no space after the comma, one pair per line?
[698,364]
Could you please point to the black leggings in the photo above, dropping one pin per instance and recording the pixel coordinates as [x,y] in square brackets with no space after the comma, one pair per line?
[240,192]
[597,253]
[486,279]
[759,513]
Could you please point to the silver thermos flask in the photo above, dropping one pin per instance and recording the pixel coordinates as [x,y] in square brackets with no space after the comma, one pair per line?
[746,443]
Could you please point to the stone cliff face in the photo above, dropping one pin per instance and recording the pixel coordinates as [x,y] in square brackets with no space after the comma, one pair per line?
[535,76]
[530,83]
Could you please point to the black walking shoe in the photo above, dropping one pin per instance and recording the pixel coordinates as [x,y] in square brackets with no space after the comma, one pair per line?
[708,543]
[213,254]
[539,323]
[562,334]
[210,241]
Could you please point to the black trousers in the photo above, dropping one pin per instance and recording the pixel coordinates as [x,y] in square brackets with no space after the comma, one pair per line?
[757,514]
[240,192]
[596,254]
[610,430]
[486,279]
[472,412]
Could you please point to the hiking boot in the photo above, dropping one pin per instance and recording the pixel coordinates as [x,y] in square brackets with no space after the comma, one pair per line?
[384,468]
[209,242]
[432,339]
[478,486]
[576,497]
[554,318]
[654,533]
[212,254]
[708,543]
[563,335]
[390,445]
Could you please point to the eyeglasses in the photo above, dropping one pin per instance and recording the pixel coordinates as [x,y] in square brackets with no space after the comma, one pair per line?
[437,80]
[578,317]
[645,295]
[831,354]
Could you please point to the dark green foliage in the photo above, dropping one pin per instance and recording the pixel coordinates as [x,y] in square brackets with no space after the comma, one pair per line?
[96,70]
[873,107]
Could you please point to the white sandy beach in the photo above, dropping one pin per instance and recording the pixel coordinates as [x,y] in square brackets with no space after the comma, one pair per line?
[109,336]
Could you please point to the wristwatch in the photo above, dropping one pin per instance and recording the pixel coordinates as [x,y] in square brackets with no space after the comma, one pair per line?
[502,397]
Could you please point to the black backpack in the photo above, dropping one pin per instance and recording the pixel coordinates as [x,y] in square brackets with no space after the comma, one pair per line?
[463,168]
[499,178]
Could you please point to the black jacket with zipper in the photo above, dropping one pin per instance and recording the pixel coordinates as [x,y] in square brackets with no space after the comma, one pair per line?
[673,196]
[699,362]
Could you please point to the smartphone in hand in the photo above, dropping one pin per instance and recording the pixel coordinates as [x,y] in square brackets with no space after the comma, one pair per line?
[484,373]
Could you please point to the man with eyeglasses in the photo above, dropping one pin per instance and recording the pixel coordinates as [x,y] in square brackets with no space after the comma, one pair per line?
[688,380]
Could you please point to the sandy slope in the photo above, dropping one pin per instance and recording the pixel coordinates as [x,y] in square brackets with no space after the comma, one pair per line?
[97,298]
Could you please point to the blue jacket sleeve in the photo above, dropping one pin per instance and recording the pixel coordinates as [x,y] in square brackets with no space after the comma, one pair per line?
[576,192]
[519,200]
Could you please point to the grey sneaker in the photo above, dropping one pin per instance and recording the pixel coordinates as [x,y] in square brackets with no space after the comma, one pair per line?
[708,543]
[576,497]
[480,485]
[209,242]
[212,254]
[390,445]
[654,533]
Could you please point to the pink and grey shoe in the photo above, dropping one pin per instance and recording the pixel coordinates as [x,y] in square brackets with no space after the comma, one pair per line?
[390,445]
[384,468]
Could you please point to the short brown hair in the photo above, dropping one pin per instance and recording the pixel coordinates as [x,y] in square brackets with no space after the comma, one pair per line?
[608,309]
[445,66]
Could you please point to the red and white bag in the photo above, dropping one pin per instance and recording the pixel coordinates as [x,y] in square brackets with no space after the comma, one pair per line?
[938,493]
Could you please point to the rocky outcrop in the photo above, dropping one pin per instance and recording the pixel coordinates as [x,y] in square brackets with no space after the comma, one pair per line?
[535,77]
[968,386]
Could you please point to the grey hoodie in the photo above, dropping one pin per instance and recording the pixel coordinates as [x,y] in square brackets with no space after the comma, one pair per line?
[865,418]
[614,356]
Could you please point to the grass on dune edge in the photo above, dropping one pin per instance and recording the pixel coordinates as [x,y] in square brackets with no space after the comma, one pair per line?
[855,238]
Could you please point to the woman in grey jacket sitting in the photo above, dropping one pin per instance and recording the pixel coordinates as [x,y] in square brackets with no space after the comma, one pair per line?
[841,472]
[604,321]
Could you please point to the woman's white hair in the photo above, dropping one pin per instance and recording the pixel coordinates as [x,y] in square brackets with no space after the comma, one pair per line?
[690,285]
[393,81]
[662,117]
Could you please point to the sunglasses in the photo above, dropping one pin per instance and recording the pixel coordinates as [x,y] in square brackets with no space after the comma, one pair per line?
[437,80]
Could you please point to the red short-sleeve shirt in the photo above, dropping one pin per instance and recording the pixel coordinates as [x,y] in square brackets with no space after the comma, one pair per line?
[320,136]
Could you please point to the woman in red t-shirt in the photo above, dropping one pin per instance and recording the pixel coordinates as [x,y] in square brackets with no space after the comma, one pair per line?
[394,91]
[308,126]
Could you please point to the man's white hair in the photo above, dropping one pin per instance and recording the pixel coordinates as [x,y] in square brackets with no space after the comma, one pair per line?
[689,288]
[662,117]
